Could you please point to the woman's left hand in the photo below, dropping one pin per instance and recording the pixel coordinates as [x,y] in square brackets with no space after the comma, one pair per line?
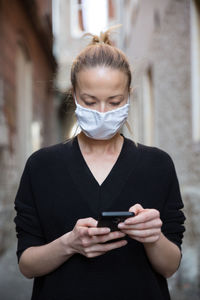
[144,227]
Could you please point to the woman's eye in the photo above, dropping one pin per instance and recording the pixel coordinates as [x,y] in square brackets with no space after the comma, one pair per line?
[89,103]
[92,103]
[115,103]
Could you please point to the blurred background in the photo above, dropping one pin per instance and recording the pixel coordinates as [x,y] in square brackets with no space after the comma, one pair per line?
[38,42]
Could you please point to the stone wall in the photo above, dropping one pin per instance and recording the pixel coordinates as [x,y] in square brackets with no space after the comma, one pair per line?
[160,40]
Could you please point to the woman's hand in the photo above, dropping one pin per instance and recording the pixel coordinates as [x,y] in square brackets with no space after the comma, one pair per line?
[86,238]
[145,227]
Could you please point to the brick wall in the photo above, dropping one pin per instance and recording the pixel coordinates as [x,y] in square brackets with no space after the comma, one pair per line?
[22,26]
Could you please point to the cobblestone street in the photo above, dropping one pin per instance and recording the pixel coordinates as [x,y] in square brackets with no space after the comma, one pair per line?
[13,285]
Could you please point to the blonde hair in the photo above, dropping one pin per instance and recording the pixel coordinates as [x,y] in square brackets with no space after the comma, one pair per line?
[101,52]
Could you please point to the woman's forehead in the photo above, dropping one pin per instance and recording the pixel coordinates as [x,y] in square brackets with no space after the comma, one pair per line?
[102,77]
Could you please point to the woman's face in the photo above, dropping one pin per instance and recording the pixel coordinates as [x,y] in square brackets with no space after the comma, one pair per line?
[102,88]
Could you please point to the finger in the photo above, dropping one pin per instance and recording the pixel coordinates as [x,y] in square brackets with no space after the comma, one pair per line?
[94,254]
[142,233]
[144,216]
[155,223]
[107,247]
[106,237]
[137,208]
[98,231]
[110,236]
[89,222]
[150,239]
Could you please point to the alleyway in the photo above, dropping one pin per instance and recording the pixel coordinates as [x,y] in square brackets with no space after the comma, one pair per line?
[13,285]
[39,43]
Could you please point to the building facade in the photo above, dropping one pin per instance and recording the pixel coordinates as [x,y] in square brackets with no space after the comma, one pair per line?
[162,42]
[27,68]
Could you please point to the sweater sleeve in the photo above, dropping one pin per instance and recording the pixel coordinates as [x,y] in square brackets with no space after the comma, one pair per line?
[172,216]
[28,229]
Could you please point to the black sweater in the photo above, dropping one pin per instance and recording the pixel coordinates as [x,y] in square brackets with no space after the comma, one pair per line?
[57,188]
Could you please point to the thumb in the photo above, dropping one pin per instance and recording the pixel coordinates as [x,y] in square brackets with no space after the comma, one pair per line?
[137,208]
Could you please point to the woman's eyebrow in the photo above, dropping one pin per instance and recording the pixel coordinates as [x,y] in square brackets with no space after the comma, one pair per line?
[84,94]
[116,96]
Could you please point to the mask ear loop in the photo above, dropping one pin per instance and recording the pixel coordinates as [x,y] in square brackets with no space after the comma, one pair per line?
[75,99]
[77,126]
[129,127]
[131,132]
[126,122]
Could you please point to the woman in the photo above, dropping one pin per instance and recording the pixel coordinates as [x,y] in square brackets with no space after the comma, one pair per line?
[64,188]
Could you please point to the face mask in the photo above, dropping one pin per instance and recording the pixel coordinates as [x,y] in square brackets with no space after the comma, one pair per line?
[101,125]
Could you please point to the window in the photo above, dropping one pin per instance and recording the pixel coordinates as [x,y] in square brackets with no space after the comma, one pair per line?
[76,18]
[88,16]
[195,68]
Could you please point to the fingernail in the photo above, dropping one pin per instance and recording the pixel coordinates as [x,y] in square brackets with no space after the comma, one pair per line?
[120,225]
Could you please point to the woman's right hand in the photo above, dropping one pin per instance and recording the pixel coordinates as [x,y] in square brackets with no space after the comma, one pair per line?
[86,238]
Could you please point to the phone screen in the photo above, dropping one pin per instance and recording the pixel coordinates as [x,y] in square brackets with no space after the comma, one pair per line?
[112,219]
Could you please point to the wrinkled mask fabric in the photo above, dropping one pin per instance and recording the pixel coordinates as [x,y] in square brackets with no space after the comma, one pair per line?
[101,125]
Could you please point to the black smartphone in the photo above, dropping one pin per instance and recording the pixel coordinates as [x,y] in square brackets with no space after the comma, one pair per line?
[112,218]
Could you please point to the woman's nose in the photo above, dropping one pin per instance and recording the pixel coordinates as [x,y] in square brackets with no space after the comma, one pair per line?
[102,107]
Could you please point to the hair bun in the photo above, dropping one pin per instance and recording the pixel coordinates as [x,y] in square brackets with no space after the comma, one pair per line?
[104,37]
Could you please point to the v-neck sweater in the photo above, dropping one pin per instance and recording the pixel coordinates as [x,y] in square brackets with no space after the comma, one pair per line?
[57,188]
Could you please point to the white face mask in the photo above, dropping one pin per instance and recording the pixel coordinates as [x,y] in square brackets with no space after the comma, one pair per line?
[101,125]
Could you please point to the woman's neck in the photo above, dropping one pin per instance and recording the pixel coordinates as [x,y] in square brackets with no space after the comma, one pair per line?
[90,146]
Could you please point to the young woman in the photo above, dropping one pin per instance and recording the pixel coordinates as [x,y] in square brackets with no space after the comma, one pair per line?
[66,186]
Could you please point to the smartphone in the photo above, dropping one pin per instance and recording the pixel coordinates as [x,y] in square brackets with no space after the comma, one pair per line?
[112,218]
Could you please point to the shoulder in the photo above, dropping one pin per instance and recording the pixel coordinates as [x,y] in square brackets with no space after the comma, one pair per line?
[152,156]
[157,161]
[50,155]
[155,153]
